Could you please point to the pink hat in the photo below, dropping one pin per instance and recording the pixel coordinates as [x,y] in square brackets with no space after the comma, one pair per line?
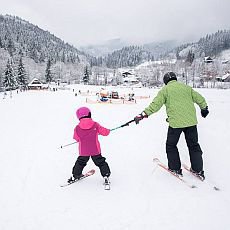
[83,112]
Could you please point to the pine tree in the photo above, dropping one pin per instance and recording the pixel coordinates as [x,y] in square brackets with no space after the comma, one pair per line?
[1,45]
[48,74]
[21,78]
[86,75]
[10,47]
[190,57]
[9,81]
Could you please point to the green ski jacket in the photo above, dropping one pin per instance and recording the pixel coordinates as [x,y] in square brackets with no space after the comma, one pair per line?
[179,100]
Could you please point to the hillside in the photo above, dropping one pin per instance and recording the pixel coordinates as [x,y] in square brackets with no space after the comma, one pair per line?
[210,45]
[127,56]
[20,37]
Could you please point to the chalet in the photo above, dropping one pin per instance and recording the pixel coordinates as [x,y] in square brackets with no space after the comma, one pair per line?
[225,61]
[224,78]
[208,59]
[126,74]
[35,84]
[130,80]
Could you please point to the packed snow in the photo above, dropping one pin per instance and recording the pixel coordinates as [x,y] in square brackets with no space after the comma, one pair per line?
[35,124]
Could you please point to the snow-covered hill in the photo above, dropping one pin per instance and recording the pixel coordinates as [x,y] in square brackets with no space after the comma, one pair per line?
[225,55]
[32,166]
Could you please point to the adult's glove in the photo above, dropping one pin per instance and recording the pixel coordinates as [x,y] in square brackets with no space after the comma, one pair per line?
[204,112]
[139,117]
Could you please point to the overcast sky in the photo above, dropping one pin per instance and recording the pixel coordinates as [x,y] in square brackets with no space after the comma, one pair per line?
[83,22]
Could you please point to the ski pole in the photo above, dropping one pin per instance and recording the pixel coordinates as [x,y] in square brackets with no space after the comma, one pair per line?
[63,146]
[121,126]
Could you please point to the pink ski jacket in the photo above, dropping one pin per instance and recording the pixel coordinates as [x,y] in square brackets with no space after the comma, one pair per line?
[86,133]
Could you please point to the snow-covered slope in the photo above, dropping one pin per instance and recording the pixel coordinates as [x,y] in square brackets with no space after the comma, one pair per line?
[32,166]
[225,55]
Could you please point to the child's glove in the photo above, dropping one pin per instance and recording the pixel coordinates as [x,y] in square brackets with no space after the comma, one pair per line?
[204,112]
[139,117]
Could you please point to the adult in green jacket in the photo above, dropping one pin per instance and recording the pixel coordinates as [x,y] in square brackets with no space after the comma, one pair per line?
[179,100]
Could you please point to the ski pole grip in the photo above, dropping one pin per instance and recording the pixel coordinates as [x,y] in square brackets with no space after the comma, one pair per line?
[127,124]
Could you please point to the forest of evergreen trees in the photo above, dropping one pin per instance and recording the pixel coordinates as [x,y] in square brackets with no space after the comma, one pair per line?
[20,37]
[210,45]
[127,56]
[215,43]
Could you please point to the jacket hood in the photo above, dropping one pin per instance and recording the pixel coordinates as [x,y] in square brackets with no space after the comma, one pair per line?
[86,123]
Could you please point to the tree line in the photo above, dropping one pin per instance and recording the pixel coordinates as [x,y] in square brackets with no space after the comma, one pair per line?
[127,56]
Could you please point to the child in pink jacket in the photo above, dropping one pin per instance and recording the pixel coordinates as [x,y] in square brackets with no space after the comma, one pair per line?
[86,133]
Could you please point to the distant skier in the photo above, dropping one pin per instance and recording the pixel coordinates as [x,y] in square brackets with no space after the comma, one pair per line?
[86,133]
[179,100]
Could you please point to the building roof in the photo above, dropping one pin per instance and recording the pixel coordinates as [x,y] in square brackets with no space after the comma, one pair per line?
[35,82]
[225,76]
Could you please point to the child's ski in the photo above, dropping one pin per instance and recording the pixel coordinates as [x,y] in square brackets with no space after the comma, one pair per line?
[89,173]
[106,183]
[163,166]
[188,169]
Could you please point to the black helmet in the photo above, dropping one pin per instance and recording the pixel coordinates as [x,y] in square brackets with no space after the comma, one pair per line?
[169,77]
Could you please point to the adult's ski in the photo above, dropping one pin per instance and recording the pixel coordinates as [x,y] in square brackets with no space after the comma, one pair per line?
[89,173]
[187,168]
[164,167]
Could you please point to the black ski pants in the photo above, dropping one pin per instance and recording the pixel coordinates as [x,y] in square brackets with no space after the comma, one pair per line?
[98,160]
[195,152]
